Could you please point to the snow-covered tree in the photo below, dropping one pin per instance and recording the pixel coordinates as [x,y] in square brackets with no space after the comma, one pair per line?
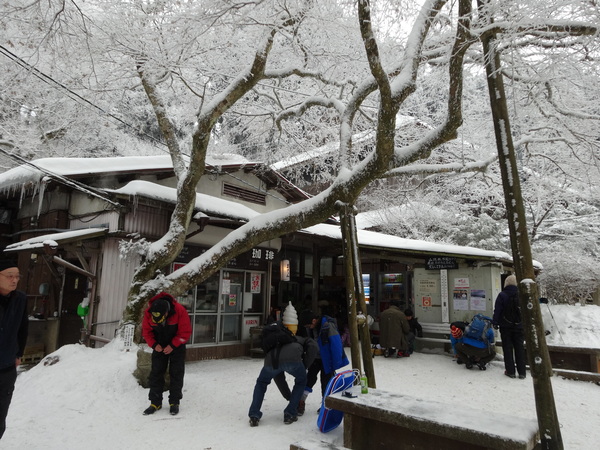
[270,78]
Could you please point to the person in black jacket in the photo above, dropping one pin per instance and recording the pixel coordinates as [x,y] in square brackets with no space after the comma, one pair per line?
[507,317]
[415,329]
[292,358]
[14,325]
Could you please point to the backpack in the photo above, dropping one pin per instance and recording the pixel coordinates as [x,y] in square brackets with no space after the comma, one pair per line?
[478,328]
[275,335]
[512,311]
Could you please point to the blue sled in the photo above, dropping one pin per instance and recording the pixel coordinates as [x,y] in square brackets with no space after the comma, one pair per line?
[330,419]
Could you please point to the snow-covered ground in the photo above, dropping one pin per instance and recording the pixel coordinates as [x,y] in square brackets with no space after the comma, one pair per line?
[89,399]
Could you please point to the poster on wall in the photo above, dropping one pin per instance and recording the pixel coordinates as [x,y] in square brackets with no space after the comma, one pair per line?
[255,283]
[226,286]
[426,302]
[461,283]
[428,286]
[478,299]
[232,299]
[461,301]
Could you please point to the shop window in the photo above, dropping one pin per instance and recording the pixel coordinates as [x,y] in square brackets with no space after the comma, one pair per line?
[308,264]
[326,269]
[294,258]
[205,329]
[219,319]
[207,294]
[231,327]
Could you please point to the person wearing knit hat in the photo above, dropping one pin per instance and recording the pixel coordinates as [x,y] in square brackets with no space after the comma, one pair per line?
[507,317]
[456,334]
[14,325]
[166,328]
[476,345]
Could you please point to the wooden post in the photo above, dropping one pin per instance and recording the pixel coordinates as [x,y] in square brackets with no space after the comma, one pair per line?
[356,294]
[537,350]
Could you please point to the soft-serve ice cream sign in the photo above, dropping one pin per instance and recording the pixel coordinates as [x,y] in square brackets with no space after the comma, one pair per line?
[290,318]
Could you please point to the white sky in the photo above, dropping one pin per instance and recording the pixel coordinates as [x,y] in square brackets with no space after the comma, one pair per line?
[89,399]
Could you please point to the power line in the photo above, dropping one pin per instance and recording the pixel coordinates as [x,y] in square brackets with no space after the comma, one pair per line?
[77,98]
[67,181]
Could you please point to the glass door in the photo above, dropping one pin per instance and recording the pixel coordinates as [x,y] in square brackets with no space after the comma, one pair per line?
[232,290]
[205,311]
[217,306]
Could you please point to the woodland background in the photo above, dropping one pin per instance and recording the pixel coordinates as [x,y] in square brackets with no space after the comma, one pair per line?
[274,80]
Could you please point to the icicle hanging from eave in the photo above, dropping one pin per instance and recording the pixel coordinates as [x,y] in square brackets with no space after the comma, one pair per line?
[135,203]
[41,191]
[22,196]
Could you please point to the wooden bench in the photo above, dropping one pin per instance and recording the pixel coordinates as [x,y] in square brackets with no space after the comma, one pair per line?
[316,445]
[575,358]
[384,420]
[576,363]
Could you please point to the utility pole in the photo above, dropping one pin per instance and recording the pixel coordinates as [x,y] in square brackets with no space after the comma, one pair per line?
[537,350]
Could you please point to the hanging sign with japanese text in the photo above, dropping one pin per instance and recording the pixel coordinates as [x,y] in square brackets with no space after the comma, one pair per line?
[441,262]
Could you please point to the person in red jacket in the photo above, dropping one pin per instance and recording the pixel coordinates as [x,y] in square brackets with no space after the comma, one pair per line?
[166,327]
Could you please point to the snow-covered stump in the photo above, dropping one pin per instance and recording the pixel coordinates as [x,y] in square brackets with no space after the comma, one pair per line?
[144,365]
[381,420]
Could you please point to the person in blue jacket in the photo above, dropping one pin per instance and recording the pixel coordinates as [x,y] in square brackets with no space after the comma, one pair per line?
[476,350]
[14,325]
[331,355]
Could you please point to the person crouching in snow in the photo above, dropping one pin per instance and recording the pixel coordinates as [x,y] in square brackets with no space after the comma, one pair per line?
[476,347]
[457,330]
[166,327]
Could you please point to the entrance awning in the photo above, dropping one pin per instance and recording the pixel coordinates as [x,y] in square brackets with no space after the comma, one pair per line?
[37,243]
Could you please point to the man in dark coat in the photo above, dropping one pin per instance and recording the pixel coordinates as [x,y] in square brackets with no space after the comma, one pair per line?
[415,329]
[292,358]
[507,317]
[393,331]
[14,325]
[166,327]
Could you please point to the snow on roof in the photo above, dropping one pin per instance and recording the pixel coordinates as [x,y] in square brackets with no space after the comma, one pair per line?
[315,153]
[358,138]
[377,217]
[208,204]
[39,168]
[53,239]
[380,240]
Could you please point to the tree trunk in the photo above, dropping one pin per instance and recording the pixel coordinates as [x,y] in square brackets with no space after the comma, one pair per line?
[355,295]
[537,350]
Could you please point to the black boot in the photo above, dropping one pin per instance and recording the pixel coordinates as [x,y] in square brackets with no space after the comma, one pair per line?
[151,409]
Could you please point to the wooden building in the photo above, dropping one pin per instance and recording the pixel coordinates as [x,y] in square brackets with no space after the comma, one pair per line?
[66,218]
